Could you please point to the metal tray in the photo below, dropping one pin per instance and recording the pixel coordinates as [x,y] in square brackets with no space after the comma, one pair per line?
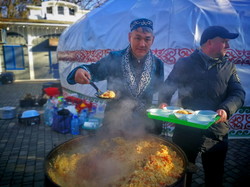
[173,119]
[7,112]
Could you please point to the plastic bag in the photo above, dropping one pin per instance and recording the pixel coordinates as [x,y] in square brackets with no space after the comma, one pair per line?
[62,121]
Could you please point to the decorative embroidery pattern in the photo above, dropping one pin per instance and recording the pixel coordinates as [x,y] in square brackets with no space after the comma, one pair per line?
[82,55]
[129,74]
[240,123]
[168,56]
[141,23]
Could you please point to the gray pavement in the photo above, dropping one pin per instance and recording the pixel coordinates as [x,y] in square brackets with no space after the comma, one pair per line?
[23,148]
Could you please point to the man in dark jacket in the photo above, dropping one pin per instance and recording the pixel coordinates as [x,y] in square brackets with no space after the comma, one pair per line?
[134,74]
[206,80]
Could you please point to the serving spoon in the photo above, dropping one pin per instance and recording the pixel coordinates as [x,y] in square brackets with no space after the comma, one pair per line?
[99,92]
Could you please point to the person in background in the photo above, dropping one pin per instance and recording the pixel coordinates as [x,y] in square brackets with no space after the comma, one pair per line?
[206,80]
[133,73]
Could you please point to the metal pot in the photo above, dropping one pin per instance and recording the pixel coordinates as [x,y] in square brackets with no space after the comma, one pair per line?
[81,144]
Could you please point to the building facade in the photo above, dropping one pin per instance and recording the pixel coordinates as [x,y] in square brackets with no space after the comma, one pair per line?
[28,45]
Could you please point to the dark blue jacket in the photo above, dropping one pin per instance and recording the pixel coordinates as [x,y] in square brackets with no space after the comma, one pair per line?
[205,85]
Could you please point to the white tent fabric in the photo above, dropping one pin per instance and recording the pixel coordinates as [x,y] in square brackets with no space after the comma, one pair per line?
[177,25]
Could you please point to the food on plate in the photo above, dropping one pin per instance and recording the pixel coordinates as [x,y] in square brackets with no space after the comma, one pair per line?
[184,112]
[119,162]
[108,94]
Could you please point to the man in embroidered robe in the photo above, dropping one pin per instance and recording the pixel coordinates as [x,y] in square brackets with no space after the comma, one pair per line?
[134,74]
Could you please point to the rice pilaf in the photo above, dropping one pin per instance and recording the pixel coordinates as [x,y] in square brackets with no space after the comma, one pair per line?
[119,162]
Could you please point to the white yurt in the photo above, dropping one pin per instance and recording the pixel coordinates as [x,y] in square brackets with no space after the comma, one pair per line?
[177,25]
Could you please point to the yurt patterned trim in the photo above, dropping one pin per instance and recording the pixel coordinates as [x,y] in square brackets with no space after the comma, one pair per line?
[168,56]
[240,123]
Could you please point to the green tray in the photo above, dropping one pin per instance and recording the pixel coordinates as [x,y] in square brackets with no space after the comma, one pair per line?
[173,119]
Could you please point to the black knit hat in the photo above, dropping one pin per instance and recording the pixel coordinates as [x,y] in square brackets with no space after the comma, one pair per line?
[216,31]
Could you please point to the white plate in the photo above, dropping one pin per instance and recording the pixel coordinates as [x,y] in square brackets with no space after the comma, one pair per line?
[206,115]
[172,108]
[159,112]
[154,110]
[196,119]
[207,112]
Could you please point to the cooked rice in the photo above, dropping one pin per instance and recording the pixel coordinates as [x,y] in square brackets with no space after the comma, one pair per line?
[119,162]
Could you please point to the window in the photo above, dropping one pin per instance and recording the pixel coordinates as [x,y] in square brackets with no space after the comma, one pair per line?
[61,10]
[71,11]
[49,10]
[13,57]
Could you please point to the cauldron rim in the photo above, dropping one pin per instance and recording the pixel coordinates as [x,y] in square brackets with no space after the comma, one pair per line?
[80,138]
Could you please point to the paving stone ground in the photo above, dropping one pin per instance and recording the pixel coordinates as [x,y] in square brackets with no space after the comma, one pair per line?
[23,148]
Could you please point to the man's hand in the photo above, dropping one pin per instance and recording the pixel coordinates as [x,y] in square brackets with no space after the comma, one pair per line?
[82,76]
[223,115]
[162,105]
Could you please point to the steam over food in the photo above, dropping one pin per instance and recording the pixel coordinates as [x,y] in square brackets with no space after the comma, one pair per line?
[108,94]
[119,163]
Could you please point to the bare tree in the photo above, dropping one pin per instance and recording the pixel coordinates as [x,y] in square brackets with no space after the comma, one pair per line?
[88,4]
[17,8]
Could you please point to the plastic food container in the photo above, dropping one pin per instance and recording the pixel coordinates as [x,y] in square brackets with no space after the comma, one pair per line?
[179,114]
[29,114]
[206,115]
[172,108]
[159,112]
[29,117]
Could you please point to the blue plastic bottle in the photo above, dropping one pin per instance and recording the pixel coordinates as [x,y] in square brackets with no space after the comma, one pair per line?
[92,121]
[82,117]
[75,130]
